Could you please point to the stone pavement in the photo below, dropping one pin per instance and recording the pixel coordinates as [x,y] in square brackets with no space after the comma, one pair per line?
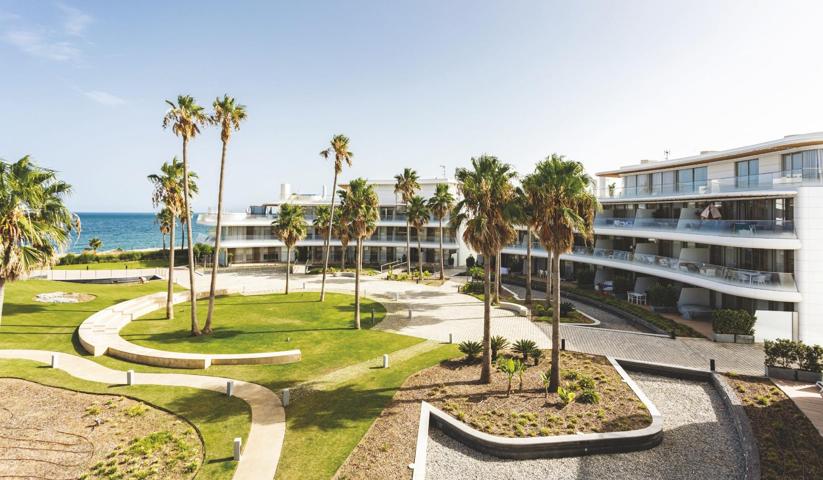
[261,453]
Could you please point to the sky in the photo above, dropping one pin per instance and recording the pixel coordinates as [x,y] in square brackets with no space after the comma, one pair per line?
[419,84]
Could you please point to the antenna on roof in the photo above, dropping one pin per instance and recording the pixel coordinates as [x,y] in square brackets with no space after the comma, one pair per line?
[444,170]
[666,154]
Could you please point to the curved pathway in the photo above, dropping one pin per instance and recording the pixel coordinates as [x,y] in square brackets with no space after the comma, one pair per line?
[263,446]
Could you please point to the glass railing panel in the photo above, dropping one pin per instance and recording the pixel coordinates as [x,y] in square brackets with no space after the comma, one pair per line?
[748,228]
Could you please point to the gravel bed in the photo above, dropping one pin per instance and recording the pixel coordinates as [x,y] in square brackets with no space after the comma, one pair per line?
[699,442]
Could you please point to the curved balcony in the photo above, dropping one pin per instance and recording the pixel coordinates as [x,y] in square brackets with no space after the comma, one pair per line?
[768,234]
[773,286]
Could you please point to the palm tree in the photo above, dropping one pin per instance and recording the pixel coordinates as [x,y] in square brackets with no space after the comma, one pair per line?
[418,214]
[35,225]
[321,220]
[526,215]
[360,206]
[228,116]
[169,191]
[565,206]
[95,244]
[484,188]
[165,221]
[342,230]
[340,148]
[290,227]
[440,205]
[406,185]
[185,118]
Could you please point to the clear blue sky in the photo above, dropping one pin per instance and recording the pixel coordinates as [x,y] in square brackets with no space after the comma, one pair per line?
[416,83]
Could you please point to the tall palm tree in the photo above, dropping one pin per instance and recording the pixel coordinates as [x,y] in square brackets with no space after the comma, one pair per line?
[169,191]
[95,244]
[340,148]
[228,115]
[35,225]
[165,222]
[418,215]
[360,206]
[526,214]
[565,206]
[185,118]
[342,230]
[406,184]
[321,220]
[290,227]
[440,205]
[484,188]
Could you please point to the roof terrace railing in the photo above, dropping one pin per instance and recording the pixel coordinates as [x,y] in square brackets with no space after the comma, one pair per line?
[743,228]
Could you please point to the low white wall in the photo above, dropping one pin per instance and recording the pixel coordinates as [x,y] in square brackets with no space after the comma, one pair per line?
[694,296]
[647,248]
[771,325]
[643,284]
[692,254]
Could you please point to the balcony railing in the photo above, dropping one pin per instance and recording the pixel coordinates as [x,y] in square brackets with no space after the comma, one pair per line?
[747,228]
[782,180]
[728,275]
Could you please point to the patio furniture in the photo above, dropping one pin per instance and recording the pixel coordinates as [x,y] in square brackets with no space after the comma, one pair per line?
[636,297]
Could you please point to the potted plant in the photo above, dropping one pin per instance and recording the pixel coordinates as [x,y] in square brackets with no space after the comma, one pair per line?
[731,325]
[611,189]
[781,356]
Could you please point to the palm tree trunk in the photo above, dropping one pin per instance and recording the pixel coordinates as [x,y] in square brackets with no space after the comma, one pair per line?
[213,285]
[419,259]
[554,381]
[442,267]
[288,268]
[2,297]
[548,278]
[170,291]
[195,329]
[343,256]
[182,235]
[358,263]
[486,368]
[497,279]
[408,239]
[328,239]
[164,240]
[529,266]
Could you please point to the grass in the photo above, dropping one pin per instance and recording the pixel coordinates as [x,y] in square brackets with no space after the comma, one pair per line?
[218,418]
[117,265]
[789,445]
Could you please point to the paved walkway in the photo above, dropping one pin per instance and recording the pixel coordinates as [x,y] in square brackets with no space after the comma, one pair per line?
[807,398]
[263,446]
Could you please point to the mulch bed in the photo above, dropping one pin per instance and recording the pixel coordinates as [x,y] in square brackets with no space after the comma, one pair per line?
[48,432]
[790,446]
[388,448]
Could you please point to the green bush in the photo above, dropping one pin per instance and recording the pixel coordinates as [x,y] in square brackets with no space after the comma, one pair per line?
[809,357]
[585,382]
[524,348]
[566,396]
[730,321]
[585,278]
[472,349]
[476,273]
[498,343]
[572,375]
[473,287]
[621,285]
[782,353]
[470,262]
[566,308]
[588,396]
[662,296]
[536,354]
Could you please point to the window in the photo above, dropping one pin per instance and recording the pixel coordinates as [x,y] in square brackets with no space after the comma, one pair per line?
[643,184]
[747,173]
[685,180]
[631,185]
[805,164]
[667,182]
[701,176]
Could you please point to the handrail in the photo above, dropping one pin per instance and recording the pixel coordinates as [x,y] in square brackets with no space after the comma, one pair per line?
[390,265]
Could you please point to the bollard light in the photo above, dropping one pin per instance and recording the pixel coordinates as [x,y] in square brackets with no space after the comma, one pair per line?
[562,344]
[286,397]
[410,314]
[711,364]
[130,377]
[451,338]
[238,443]
[385,360]
[230,388]
[54,360]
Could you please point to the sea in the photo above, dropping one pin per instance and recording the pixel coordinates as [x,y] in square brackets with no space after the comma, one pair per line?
[126,231]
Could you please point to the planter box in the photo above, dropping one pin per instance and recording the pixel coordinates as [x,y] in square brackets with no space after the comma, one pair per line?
[744,339]
[724,337]
[808,377]
[664,309]
[784,373]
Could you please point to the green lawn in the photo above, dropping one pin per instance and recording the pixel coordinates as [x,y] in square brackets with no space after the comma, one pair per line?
[337,419]
[218,417]
[117,265]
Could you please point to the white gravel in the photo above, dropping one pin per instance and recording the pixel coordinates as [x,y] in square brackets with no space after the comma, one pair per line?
[699,442]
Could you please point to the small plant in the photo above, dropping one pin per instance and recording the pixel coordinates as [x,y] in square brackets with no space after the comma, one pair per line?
[136,410]
[571,375]
[566,308]
[566,396]
[536,355]
[471,349]
[584,382]
[588,395]
[545,377]
[93,410]
[510,367]
[521,369]
[524,347]
[498,343]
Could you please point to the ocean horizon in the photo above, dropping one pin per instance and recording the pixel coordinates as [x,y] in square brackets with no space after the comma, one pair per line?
[125,230]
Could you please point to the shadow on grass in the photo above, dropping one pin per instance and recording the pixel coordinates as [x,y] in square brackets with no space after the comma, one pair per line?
[337,408]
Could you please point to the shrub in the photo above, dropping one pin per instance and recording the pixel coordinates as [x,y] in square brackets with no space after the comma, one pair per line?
[536,354]
[571,375]
[476,273]
[566,308]
[566,396]
[524,347]
[588,396]
[498,343]
[473,287]
[585,382]
[730,321]
[809,357]
[585,278]
[471,349]
[622,285]
[470,262]
[662,296]
[781,353]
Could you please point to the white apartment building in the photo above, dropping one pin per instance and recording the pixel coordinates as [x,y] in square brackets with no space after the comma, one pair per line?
[248,238]
[739,228]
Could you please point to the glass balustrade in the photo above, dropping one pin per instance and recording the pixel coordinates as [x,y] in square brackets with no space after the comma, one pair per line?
[728,275]
[746,228]
[781,180]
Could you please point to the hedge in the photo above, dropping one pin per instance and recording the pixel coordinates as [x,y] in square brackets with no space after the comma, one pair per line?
[730,321]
